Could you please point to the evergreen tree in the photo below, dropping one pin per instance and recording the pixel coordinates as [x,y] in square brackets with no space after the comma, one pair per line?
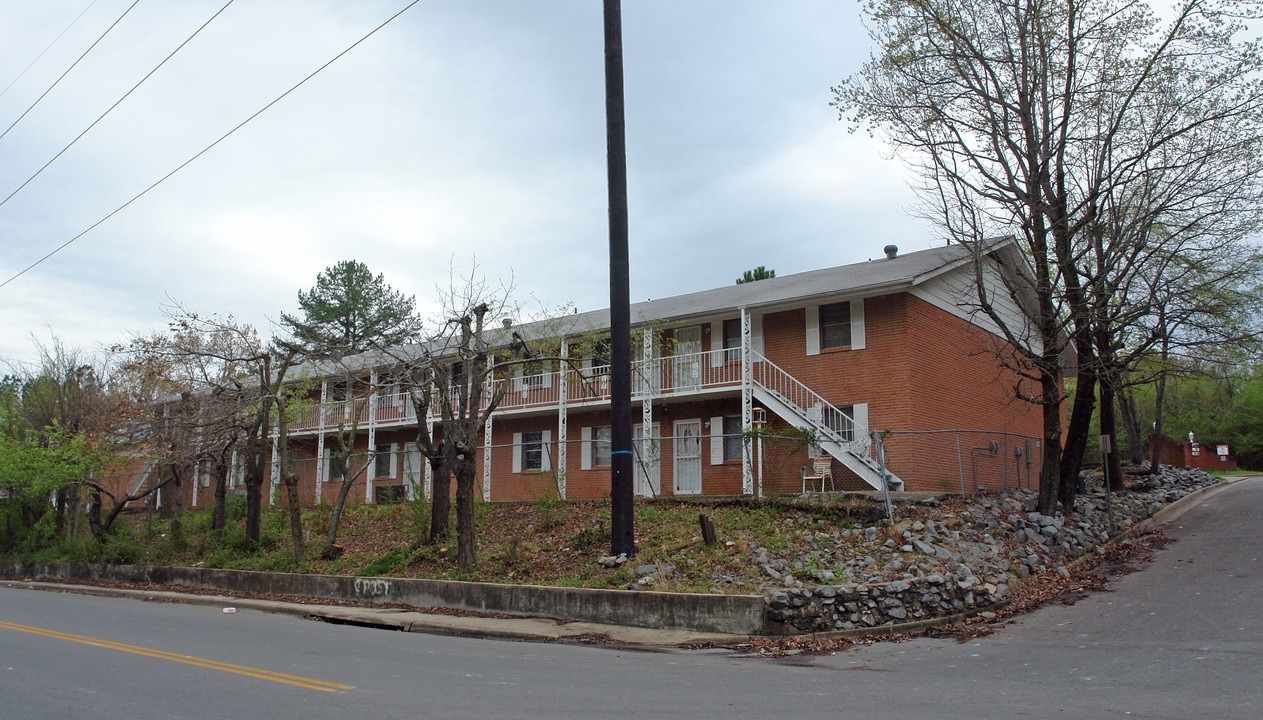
[349,310]
[759,273]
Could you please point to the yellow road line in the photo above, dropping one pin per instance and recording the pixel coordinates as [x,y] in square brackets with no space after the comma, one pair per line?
[287,679]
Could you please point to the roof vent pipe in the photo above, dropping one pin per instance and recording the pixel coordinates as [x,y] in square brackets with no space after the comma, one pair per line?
[891,251]
[507,323]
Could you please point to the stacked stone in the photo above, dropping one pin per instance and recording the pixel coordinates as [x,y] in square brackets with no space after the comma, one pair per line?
[960,561]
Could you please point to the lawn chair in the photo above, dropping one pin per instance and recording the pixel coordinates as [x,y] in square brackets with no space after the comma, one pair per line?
[821,470]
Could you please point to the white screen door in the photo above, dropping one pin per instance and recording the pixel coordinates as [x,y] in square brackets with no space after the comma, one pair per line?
[688,457]
[687,374]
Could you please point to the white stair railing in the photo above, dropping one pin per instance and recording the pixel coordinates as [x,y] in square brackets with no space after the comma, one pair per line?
[828,420]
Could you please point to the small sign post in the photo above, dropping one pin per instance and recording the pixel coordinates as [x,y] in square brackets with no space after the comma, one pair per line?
[1107,446]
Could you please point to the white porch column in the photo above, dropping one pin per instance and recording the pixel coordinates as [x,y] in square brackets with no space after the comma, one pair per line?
[371,470]
[563,370]
[276,467]
[747,405]
[429,471]
[321,466]
[486,460]
[646,405]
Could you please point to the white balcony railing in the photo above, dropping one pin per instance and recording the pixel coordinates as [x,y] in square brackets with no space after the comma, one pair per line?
[674,375]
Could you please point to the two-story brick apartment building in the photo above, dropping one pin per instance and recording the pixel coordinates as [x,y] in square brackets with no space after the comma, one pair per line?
[890,344]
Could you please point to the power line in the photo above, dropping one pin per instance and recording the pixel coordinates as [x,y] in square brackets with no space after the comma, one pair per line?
[50,47]
[72,67]
[206,149]
[116,104]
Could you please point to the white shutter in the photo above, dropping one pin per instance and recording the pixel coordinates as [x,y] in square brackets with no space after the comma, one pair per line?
[717,441]
[545,451]
[813,329]
[517,452]
[857,324]
[756,333]
[860,416]
[585,448]
[717,343]
[394,460]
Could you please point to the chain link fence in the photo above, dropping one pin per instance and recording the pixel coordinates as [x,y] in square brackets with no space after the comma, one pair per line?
[964,461]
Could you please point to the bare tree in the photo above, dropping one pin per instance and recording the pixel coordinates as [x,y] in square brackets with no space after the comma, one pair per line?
[225,365]
[1075,127]
[460,372]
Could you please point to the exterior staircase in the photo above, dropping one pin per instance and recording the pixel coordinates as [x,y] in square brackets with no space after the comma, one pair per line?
[836,431]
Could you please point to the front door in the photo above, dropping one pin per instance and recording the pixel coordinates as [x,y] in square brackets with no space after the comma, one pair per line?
[687,368]
[648,472]
[687,445]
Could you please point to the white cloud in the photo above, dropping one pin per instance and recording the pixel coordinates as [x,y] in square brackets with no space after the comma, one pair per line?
[460,131]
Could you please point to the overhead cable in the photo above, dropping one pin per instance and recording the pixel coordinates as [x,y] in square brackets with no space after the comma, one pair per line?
[206,149]
[72,67]
[116,104]
[50,47]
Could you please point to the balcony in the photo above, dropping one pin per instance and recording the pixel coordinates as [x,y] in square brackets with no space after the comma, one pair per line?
[674,376]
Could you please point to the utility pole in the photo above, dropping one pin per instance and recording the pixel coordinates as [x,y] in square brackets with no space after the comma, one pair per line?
[622,531]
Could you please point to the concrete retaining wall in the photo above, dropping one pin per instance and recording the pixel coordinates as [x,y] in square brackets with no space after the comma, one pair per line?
[736,614]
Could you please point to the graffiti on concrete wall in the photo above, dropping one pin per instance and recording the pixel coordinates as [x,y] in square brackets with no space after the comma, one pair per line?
[372,588]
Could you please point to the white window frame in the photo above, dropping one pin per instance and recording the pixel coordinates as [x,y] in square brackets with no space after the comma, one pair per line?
[858,339]
[519,452]
[393,454]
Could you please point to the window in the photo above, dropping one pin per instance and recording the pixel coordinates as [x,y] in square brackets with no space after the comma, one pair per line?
[835,325]
[337,391]
[732,340]
[382,462]
[533,451]
[842,423]
[335,465]
[601,356]
[412,469]
[732,437]
[601,446]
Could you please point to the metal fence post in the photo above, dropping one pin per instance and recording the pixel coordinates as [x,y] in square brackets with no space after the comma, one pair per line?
[960,465]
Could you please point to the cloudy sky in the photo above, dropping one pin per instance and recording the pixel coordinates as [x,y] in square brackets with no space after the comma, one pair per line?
[461,133]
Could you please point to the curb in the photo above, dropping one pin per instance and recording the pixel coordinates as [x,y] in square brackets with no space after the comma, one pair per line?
[540,629]
[523,629]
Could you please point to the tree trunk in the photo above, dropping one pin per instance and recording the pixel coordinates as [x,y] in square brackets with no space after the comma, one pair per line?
[295,515]
[441,500]
[335,518]
[94,516]
[219,515]
[1113,462]
[254,509]
[1049,474]
[466,547]
[1155,447]
[1076,438]
[1131,427]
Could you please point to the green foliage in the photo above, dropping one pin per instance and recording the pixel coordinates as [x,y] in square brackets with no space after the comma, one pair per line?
[419,519]
[349,309]
[1226,409]
[759,273]
[388,562]
[33,466]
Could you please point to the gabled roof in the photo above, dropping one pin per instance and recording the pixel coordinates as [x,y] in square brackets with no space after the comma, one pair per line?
[873,277]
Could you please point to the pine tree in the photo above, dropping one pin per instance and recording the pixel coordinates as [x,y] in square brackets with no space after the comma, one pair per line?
[350,310]
[759,273]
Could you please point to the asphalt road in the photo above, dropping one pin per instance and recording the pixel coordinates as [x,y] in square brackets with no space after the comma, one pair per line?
[1182,638]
